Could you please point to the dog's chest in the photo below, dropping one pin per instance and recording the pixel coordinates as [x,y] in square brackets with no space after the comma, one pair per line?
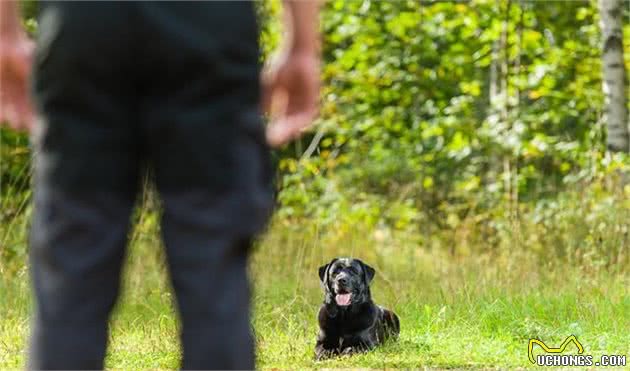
[350,340]
[356,330]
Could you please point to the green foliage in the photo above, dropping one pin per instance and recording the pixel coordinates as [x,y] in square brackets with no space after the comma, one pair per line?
[14,166]
[442,109]
[14,197]
[436,117]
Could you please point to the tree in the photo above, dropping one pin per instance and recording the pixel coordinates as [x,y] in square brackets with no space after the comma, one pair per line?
[614,76]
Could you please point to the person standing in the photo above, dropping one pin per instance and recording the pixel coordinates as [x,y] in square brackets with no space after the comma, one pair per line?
[117,87]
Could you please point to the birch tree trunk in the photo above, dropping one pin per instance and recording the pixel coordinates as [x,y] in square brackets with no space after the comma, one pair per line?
[614,76]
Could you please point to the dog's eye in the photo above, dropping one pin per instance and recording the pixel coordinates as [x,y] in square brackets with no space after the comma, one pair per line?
[353,270]
[336,271]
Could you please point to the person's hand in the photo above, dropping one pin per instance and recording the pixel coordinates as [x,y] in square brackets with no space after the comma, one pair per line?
[290,95]
[15,65]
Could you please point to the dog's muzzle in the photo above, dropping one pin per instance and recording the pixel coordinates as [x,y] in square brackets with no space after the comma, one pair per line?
[343,294]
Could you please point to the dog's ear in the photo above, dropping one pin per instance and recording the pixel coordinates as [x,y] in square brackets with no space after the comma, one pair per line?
[323,270]
[368,271]
[329,295]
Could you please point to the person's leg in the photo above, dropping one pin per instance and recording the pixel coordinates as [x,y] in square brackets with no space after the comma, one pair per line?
[209,274]
[207,231]
[86,167]
[207,146]
[208,222]
[77,249]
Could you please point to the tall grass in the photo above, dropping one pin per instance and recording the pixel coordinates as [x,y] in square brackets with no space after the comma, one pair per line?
[471,310]
[463,302]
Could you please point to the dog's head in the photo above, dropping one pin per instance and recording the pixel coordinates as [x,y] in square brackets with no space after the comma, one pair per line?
[346,281]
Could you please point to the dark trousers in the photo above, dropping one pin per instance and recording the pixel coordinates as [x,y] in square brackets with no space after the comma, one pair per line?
[119,86]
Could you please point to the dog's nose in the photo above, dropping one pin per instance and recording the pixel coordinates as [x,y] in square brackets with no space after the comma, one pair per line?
[342,280]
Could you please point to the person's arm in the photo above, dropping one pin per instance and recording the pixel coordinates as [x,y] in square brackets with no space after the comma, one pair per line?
[303,21]
[291,82]
[9,21]
[15,65]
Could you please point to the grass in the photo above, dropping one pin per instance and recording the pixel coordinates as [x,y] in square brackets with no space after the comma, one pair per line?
[474,311]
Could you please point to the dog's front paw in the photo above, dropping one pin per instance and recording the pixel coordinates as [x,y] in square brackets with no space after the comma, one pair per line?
[348,351]
[323,354]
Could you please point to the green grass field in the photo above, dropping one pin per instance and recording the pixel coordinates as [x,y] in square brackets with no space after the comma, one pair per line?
[456,311]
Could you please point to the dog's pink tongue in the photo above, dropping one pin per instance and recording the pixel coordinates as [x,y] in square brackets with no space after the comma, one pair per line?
[343,299]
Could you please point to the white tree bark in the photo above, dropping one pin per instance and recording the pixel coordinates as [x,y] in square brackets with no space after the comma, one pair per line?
[614,76]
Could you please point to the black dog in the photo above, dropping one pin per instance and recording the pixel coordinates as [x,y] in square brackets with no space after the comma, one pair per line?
[348,320]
